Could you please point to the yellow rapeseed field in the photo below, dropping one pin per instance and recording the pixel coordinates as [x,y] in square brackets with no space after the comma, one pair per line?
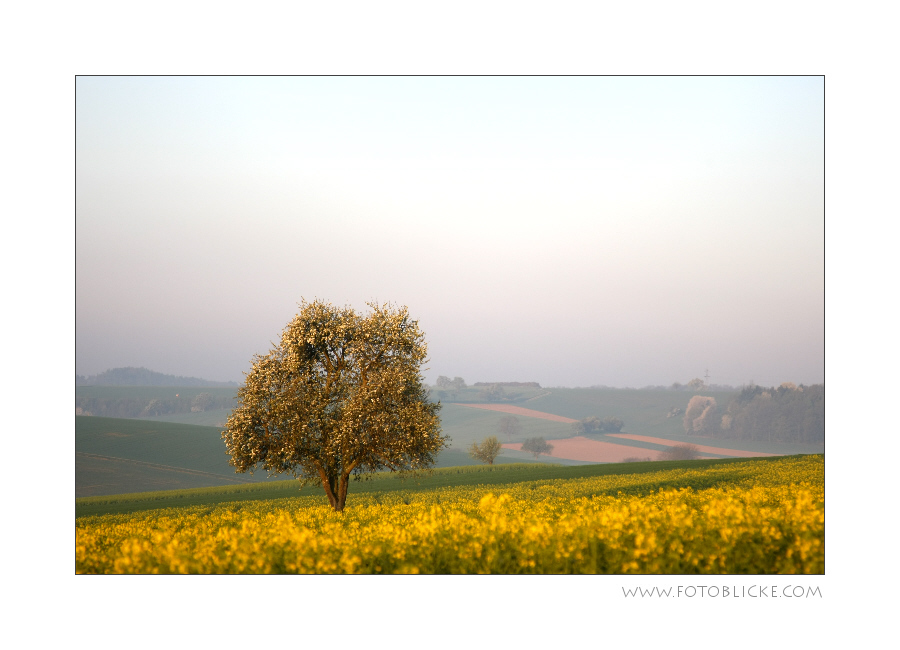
[754,518]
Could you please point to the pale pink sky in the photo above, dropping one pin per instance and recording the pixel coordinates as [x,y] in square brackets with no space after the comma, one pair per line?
[571,231]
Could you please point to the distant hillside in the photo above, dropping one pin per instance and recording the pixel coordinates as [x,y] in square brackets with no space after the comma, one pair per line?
[143,377]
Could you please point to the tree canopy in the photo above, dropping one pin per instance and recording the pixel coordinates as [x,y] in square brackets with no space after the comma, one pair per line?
[537,446]
[341,394]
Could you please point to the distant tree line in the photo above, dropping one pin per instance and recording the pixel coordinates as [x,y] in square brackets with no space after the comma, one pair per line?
[450,388]
[495,393]
[789,413]
[513,384]
[455,384]
[143,377]
[593,424]
[119,407]
[694,385]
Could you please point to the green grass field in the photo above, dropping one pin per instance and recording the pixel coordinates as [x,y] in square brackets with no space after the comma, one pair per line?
[214,418]
[115,455]
[497,475]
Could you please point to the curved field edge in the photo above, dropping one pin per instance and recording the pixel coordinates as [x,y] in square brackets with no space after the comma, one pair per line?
[496,475]
[750,517]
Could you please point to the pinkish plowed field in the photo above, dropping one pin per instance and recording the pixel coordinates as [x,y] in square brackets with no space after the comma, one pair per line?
[518,410]
[703,448]
[581,448]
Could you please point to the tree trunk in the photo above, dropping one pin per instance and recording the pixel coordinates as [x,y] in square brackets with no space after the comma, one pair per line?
[336,488]
[342,492]
[329,484]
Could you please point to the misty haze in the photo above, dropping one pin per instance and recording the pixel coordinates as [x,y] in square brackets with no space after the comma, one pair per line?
[623,232]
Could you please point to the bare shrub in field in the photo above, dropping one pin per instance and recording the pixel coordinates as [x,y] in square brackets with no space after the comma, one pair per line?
[680,452]
[698,417]
[509,425]
[636,459]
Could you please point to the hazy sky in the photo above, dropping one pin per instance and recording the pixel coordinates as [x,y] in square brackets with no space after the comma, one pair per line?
[572,231]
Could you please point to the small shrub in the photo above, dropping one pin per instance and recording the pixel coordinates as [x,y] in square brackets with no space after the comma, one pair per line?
[680,452]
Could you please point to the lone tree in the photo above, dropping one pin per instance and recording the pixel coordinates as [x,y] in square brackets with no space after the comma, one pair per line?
[510,426]
[537,446]
[487,451]
[341,394]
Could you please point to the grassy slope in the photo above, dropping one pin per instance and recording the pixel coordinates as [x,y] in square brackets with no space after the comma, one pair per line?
[179,445]
[215,418]
[480,475]
[100,476]
[162,451]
